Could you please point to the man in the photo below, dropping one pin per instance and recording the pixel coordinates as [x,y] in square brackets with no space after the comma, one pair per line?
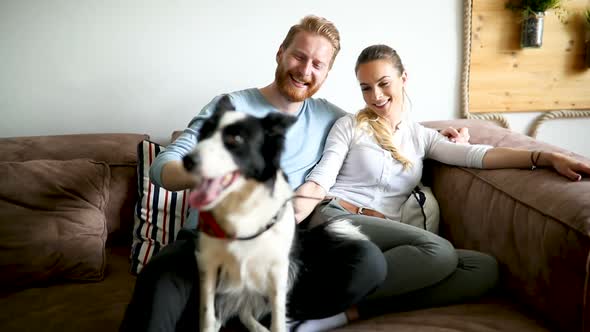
[166,293]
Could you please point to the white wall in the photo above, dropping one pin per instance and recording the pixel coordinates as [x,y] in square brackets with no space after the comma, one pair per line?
[148,66]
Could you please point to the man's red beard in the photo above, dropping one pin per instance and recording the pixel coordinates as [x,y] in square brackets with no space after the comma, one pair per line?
[293,94]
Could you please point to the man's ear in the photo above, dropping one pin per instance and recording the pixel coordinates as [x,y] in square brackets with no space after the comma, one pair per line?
[277,123]
[280,53]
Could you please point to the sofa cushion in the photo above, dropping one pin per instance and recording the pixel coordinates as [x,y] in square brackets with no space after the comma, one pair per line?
[159,213]
[52,222]
[119,151]
[421,209]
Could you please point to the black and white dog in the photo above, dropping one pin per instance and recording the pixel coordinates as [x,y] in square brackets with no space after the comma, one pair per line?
[249,249]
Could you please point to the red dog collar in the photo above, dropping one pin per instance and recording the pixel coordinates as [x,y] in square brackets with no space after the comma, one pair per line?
[209,226]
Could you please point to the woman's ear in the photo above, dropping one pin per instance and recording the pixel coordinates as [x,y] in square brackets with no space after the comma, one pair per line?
[404,78]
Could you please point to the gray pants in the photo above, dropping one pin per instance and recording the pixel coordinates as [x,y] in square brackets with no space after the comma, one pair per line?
[423,269]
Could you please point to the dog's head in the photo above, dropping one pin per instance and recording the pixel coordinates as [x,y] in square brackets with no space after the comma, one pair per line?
[234,146]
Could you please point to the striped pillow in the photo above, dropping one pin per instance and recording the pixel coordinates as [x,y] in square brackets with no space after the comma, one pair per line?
[159,213]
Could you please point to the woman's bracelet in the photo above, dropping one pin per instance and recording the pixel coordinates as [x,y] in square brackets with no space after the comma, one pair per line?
[534,159]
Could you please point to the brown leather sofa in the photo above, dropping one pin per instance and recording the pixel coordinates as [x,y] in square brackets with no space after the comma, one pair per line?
[536,223]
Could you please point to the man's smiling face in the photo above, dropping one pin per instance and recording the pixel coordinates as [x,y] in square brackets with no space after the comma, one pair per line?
[303,66]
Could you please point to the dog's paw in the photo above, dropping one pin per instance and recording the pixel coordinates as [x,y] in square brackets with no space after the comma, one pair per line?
[252,324]
[214,328]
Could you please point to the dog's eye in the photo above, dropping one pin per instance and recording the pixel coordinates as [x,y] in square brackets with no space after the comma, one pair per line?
[234,140]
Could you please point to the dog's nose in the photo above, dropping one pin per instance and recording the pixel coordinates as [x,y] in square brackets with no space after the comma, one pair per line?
[190,161]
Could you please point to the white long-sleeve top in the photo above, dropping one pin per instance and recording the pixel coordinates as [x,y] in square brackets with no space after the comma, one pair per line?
[355,168]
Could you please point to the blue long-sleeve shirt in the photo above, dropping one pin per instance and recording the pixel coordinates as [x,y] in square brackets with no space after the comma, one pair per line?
[303,147]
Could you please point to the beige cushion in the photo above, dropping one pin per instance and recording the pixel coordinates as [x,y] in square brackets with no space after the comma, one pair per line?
[52,222]
[412,212]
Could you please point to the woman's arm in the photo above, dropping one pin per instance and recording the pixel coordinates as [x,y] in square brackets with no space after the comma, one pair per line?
[323,176]
[516,158]
[311,194]
[480,156]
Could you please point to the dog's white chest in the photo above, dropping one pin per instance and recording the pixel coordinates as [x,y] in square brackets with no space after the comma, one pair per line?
[243,266]
[236,276]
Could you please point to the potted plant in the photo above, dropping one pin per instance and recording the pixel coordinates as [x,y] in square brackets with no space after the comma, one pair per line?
[533,14]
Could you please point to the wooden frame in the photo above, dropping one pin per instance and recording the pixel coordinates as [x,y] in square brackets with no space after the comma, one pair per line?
[491,46]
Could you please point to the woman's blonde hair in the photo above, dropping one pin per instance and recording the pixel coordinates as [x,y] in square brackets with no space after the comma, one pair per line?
[318,26]
[366,118]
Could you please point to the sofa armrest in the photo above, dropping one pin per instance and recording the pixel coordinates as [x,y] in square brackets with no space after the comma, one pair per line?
[536,223]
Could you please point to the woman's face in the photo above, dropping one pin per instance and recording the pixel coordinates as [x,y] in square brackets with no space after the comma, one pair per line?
[382,87]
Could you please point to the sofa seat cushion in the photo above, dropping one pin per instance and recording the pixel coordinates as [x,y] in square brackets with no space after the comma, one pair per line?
[52,222]
[65,307]
[100,307]
[490,314]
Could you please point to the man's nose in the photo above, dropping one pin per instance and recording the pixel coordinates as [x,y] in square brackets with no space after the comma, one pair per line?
[305,69]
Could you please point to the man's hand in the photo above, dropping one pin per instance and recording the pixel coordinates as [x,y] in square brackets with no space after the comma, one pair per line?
[457,136]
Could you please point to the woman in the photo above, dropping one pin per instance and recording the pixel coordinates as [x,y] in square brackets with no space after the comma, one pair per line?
[372,160]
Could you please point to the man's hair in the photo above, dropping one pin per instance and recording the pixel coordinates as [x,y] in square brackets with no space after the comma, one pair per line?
[318,26]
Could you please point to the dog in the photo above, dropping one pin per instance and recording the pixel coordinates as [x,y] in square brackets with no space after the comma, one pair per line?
[249,250]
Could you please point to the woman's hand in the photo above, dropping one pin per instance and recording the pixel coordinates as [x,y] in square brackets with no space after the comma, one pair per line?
[565,165]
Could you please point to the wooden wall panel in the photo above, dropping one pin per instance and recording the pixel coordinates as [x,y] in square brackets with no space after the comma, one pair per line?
[505,78]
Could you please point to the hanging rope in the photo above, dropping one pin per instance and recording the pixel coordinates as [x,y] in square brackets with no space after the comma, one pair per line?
[467,11]
[555,115]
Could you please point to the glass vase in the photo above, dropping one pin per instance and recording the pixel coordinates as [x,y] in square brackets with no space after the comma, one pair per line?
[531,34]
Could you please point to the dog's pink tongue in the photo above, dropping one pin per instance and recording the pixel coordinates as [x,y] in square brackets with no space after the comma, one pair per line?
[206,192]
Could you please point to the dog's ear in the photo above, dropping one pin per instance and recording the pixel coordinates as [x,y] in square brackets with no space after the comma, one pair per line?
[224,104]
[276,124]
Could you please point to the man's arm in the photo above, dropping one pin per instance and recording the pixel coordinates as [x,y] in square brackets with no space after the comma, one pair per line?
[167,170]
[175,178]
